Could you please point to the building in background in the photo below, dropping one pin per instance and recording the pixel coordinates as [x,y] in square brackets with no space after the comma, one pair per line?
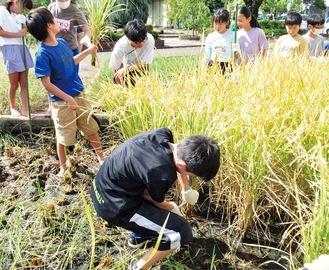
[156,8]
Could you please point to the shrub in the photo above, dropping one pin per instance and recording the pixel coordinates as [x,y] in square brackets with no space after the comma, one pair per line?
[275,28]
[149,27]
[155,34]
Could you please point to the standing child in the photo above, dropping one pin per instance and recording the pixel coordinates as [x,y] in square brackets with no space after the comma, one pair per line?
[13,52]
[130,188]
[56,66]
[251,39]
[218,48]
[293,44]
[315,24]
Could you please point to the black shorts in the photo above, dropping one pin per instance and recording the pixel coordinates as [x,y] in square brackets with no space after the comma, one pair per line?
[131,77]
[146,220]
[222,66]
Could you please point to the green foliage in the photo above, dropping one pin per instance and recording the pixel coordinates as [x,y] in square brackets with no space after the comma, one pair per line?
[214,4]
[188,13]
[274,6]
[155,34]
[40,3]
[149,27]
[129,10]
[112,36]
[275,28]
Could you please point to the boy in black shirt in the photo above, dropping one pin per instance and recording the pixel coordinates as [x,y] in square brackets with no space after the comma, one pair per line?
[130,187]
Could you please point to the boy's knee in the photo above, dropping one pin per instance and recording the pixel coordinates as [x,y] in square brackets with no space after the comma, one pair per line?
[176,239]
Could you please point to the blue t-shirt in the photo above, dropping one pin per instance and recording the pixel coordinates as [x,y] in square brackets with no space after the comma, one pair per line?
[58,63]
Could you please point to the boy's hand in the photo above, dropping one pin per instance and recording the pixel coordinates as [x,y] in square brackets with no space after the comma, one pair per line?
[92,49]
[73,104]
[175,209]
[191,196]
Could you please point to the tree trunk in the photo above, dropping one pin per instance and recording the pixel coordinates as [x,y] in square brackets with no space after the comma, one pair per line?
[253,5]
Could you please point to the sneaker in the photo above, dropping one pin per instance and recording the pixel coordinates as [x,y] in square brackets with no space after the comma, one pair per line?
[136,241]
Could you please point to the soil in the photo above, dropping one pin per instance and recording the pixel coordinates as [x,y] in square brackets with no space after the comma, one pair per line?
[28,168]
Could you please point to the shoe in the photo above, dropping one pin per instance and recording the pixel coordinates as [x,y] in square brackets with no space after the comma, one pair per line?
[136,241]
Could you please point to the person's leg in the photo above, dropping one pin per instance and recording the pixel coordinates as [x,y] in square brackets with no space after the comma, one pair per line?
[13,80]
[147,223]
[65,126]
[24,98]
[61,152]
[96,143]
[48,113]
[159,255]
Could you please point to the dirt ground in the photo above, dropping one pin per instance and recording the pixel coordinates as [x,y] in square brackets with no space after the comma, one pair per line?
[27,174]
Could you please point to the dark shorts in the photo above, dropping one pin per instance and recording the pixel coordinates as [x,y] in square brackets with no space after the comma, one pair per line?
[146,220]
[222,66]
[131,77]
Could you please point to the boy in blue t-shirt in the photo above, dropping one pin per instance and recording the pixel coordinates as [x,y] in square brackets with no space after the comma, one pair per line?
[56,66]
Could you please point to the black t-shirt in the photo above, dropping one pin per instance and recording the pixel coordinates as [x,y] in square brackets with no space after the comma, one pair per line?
[144,161]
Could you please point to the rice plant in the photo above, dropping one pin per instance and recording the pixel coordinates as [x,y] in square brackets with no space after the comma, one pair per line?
[270,119]
[98,12]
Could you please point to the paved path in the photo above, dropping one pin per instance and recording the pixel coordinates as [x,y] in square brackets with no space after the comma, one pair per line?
[173,47]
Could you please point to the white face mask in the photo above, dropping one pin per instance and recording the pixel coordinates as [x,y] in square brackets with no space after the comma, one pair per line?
[64,5]
[317,32]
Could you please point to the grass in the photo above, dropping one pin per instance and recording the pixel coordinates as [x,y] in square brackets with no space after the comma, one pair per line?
[270,120]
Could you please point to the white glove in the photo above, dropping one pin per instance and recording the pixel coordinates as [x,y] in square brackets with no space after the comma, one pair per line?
[175,209]
[236,47]
[86,41]
[191,196]
[21,18]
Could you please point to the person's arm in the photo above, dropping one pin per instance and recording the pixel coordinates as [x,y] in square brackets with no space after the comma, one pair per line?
[86,29]
[78,58]
[50,87]
[20,33]
[164,205]
[184,182]
[207,49]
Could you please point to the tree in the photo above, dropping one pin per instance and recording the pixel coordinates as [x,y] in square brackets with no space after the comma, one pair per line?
[214,5]
[274,6]
[253,5]
[194,12]
[130,9]
[318,3]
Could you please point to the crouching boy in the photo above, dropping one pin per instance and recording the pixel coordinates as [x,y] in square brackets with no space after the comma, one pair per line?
[129,189]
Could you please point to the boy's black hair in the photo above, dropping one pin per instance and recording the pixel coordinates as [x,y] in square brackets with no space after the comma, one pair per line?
[293,18]
[37,22]
[201,155]
[247,13]
[135,30]
[28,4]
[315,19]
[221,15]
